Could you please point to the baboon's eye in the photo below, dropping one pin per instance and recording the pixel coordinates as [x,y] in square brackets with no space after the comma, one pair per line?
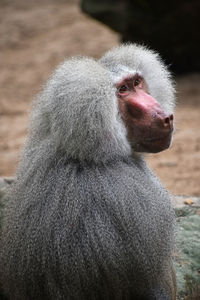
[137,81]
[123,89]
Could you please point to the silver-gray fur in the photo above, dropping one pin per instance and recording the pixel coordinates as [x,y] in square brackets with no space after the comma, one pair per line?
[86,219]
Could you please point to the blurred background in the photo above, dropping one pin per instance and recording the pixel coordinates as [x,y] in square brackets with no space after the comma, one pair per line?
[37,35]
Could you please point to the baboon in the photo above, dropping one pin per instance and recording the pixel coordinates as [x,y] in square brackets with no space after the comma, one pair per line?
[86,217]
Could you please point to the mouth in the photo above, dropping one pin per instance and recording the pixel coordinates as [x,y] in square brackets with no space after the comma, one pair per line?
[157,144]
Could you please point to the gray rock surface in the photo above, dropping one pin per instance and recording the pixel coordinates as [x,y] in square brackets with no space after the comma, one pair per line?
[187,256]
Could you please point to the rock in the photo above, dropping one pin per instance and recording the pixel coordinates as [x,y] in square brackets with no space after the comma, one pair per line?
[5,184]
[187,257]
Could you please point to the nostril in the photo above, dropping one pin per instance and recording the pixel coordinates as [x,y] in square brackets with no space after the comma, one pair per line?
[167,120]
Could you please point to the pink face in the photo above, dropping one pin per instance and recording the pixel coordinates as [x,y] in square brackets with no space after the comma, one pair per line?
[149,127]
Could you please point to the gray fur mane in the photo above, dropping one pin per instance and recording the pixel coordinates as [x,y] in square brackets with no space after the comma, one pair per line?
[85,218]
[77,114]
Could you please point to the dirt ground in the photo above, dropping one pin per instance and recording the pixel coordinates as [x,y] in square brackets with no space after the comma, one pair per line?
[37,35]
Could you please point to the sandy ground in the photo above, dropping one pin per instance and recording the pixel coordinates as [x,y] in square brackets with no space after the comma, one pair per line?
[37,35]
